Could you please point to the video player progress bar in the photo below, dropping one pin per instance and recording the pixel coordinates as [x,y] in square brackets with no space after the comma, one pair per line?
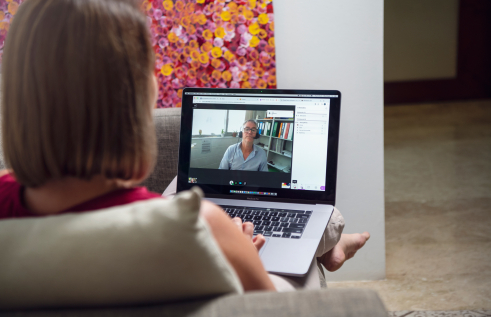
[248,192]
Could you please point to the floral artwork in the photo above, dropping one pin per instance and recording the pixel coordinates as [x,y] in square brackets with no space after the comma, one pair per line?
[7,10]
[211,43]
[201,43]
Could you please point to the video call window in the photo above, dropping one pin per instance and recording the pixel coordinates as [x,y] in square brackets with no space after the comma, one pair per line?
[216,141]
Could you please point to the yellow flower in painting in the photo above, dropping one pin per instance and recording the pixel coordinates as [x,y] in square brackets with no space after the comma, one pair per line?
[254,41]
[216,74]
[168,5]
[271,26]
[201,19]
[200,1]
[263,18]
[216,52]
[232,7]
[179,6]
[253,54]
[205,78]
[261,84]
[206,47]
[190,7]
[146,5]
[179,93]
[240,9]
[225,16]
[248,14]
[263,34]
[259,72]
[185,21]
[193,44]
[175,56]
[195,64]
[207,34]
[229,56]
[186,51]
[271,42]
[191,29]
[12,7]
[244,76]
[167,69]
[179,104]
[192,73]
[272,80]
[172,37]
[215,63]
[203,58]
[242,61]
[194,55]
[2,15]
[252,4]
[220,32]
[254,28]
[226,75]
[4,25]
[246,85]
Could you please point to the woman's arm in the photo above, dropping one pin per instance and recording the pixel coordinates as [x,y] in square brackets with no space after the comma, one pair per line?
[238,249]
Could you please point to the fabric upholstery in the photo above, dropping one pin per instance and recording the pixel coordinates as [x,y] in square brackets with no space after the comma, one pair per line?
[146,252]
[167,125]
[332,303]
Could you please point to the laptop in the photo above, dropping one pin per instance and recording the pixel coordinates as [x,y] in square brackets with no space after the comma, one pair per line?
[286,185]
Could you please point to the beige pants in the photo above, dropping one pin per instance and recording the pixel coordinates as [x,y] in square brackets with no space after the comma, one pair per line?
[311,280]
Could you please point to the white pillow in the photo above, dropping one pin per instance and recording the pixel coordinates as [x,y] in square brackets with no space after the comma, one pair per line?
[145,252]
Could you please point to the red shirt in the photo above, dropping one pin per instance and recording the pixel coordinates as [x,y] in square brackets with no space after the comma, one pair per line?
[11,205]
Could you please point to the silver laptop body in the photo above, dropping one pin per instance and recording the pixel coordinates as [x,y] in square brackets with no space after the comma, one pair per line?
[298,189]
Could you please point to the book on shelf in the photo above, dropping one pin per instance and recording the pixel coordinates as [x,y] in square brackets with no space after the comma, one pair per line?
[275,128]
[285,136]
[290,133]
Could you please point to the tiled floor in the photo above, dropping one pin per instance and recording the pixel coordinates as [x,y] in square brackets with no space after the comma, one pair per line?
[438,207]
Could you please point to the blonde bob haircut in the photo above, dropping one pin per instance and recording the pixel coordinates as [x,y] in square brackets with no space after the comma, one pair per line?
[76,91]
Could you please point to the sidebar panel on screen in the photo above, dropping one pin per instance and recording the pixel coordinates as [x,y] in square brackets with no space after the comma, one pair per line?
[310,146]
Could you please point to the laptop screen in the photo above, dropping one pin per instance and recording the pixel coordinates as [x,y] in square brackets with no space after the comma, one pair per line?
[266,144]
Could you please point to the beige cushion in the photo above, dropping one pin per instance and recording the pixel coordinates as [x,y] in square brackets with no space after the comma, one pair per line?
[145,252]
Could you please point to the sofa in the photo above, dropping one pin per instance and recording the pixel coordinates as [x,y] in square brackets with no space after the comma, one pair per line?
[322,302]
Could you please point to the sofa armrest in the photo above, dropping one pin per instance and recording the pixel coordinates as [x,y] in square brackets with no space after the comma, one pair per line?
[167,127]
[329,302]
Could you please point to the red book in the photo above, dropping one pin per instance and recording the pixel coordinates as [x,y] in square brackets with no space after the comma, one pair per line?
[286,131]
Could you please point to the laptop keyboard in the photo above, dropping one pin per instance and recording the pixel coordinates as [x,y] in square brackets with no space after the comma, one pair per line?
[270,222]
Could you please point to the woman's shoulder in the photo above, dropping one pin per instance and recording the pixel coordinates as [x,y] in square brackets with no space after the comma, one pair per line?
[7,182]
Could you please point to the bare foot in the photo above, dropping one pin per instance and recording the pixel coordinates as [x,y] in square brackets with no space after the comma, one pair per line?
[344,250]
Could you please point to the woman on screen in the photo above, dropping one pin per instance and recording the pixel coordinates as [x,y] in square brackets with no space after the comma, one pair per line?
[245,156]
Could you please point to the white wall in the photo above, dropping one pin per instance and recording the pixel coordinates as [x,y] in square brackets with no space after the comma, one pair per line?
[421,39]
[338,44]
[211,159]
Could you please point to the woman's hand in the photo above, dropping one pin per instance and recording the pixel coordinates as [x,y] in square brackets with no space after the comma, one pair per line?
[237,247]
[247,228]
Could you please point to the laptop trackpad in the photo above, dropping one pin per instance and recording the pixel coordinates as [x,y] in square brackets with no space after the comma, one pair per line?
[264,247]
